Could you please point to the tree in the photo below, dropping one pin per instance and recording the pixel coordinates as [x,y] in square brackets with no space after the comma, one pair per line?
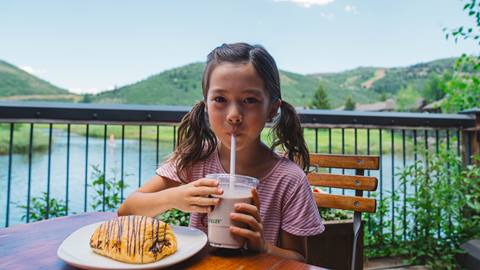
[472,7]
[320,99]
[407,99]
[349,104]
[463,90]
[434,88]
[86,98]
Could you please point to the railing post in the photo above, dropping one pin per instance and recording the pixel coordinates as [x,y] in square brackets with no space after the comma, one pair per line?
[471,138]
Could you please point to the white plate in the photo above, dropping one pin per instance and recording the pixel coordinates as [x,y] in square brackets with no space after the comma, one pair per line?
[75,250]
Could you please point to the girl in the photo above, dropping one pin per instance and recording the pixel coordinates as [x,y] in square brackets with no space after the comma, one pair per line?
[241,89]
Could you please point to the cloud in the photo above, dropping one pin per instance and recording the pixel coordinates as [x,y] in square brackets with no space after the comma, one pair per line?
[307,3]
[351,9]
[33,71]
[90,90]
[328,16]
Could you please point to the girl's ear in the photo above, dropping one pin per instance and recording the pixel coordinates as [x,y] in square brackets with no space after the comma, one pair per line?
[274,109]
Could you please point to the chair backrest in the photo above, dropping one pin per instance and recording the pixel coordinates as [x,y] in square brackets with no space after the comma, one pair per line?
[334,253]
[357,182]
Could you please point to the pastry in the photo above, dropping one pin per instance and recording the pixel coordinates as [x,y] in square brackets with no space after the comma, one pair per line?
[134,239]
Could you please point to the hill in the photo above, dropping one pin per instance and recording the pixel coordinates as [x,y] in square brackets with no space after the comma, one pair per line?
[17,83]
[182,86]
[415,75]
[384,81]
[178,86]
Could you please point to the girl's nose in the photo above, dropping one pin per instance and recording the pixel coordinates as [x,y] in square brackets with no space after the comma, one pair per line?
[235,120]
[234,115]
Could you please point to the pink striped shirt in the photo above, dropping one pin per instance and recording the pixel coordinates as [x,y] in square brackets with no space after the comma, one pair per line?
[286,201]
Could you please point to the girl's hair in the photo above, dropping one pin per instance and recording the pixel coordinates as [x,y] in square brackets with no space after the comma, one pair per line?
[196,141]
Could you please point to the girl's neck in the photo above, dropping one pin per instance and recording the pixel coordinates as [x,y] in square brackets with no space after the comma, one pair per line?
[250,161]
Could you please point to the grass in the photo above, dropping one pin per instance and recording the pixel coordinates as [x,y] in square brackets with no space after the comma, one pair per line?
[366,142]
[21,139]
[165,133]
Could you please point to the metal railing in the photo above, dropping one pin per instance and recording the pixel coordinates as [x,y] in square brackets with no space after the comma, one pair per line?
[71,132]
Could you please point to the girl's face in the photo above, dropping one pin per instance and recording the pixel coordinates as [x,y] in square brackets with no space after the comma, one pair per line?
[238,104]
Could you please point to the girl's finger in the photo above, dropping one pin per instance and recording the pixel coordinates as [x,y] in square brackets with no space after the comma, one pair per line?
[249,209]
[204,201]
[205,182]
[246,233]
[205,191]
[247,219]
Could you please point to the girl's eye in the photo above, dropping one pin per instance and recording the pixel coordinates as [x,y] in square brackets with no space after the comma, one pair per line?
[250,100]
[219,99]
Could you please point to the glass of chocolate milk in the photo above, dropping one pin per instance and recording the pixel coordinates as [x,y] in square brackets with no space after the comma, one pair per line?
[237,191]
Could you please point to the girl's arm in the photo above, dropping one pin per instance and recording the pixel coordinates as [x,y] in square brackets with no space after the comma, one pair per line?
[150,200]
[160,194]
[291,247]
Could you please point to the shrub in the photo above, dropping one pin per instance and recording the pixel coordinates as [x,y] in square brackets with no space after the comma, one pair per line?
[444,212]
[441,214]
[175,217]
[107,196]
[38,208]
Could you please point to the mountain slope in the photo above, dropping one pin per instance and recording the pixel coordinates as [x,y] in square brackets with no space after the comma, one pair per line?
[16,82]
[385,81]
[178,86]
[182,86]
[415,75]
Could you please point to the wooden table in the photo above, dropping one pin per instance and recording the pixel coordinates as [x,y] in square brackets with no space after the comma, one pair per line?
[34,246]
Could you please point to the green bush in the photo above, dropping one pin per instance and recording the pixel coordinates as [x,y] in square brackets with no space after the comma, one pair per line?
[175,217]
[378,242]
[463,90]
[38,208]
[107,196]
[445,209]
[335,214]
[443,213]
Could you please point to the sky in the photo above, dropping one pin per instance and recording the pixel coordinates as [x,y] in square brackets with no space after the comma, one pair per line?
[90,46]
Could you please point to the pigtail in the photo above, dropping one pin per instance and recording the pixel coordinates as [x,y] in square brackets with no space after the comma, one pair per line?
[195,142]
[288,133]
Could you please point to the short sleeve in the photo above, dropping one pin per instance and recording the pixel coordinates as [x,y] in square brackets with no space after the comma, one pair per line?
[300,214]
[169,171]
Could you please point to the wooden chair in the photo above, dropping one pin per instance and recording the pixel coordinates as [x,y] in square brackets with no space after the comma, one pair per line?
[357,203]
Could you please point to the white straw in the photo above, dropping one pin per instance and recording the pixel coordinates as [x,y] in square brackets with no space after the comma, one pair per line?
[233,154]
[233,147]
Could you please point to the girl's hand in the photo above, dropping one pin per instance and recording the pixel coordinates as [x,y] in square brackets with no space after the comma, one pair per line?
[250,215]
[194,196]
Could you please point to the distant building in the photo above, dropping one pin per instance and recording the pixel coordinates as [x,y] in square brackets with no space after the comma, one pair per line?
[434,107]
[383,106]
